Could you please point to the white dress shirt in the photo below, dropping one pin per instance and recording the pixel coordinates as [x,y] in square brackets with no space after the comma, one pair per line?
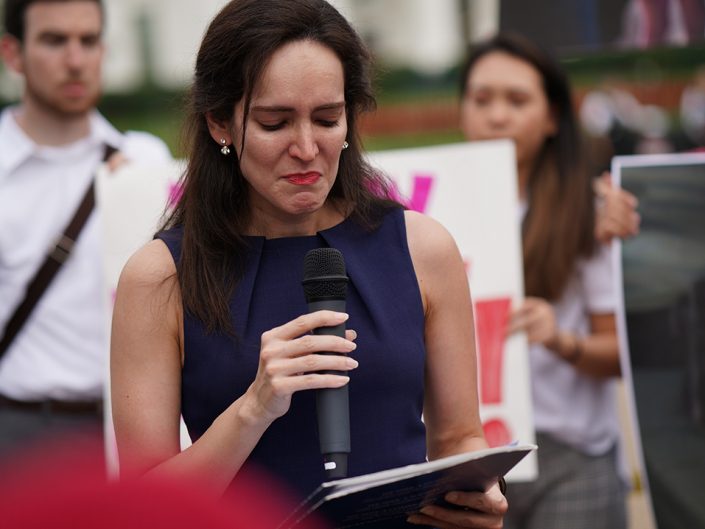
[61,351]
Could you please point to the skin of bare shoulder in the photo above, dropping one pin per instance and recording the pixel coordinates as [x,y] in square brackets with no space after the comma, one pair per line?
[152,262]
[150,273]
[432,250]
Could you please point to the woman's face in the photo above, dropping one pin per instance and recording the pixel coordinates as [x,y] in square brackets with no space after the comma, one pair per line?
[295,131]
[505,98]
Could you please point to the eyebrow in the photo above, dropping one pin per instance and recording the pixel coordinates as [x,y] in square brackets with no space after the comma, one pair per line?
[56,33]
[511,88]
[279,108]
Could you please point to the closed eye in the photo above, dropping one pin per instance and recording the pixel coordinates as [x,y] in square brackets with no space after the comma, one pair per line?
[272,126]
[518,100]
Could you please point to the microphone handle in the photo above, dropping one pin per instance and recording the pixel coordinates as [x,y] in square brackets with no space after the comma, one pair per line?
[332,406]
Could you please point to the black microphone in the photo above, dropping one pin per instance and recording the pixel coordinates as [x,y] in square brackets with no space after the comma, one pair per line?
[325,285]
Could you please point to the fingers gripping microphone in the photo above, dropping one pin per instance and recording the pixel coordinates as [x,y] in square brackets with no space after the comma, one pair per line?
[325,285]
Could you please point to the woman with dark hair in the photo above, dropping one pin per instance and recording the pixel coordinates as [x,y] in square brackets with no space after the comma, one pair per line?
[210,318]
[513,89]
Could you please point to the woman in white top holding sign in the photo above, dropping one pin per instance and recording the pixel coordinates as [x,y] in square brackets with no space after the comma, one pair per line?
[513,89]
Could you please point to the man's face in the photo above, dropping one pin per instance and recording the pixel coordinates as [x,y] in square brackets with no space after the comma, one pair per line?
[61,56]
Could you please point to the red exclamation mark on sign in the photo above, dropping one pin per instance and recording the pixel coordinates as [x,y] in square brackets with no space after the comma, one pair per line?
[490,325]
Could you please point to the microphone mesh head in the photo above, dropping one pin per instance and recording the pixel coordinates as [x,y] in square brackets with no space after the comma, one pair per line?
[324,274]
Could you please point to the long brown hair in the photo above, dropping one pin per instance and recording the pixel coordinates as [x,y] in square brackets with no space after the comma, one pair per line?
[559,225]
[214,207]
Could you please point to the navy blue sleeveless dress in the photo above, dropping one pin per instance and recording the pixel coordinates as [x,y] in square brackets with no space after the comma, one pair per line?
[386,390]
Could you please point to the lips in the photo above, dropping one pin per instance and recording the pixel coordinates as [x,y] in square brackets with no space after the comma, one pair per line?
[74,89]
[303,179]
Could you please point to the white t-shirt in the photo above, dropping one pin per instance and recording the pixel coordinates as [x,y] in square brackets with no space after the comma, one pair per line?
[61,351]
[572,407]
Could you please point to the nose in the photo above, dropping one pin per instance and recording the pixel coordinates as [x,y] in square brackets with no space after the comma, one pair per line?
[498,114]
[75,54]
[304,144]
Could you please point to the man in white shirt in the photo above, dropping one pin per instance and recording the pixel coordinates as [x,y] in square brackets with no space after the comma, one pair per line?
[51,144]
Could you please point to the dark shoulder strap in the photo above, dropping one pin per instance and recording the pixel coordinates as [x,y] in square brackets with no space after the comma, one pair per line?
[57,256]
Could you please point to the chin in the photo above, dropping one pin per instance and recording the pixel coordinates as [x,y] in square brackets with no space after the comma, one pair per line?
[302,207]
[78,107]
[305,209]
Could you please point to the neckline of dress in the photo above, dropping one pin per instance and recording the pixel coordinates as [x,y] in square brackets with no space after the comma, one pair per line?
[274,240]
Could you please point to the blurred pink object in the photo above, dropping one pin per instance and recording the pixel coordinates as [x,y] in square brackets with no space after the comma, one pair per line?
[64,485]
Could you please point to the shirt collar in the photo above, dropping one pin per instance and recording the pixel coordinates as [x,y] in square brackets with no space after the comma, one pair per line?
[103,132]
[16,146]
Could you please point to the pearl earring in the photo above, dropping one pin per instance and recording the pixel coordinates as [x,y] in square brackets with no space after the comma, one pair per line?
[225,150]
[345,145]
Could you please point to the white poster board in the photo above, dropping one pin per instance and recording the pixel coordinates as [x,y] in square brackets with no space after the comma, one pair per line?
[132,201]
[470,188]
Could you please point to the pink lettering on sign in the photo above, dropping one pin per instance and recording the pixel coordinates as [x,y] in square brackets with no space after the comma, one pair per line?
[420,193]
[175,192]
[490,324]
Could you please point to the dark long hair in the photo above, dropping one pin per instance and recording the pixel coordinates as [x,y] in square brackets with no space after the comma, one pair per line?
[214,207]
[559,225]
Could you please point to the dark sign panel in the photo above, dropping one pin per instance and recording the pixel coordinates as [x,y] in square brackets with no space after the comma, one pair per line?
[663,356]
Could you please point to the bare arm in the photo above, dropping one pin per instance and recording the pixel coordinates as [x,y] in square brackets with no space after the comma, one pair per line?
[451,406]
[596,354]
[146,359]
[451,401]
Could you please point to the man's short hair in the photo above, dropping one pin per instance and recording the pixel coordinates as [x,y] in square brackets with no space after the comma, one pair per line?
[14,14]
